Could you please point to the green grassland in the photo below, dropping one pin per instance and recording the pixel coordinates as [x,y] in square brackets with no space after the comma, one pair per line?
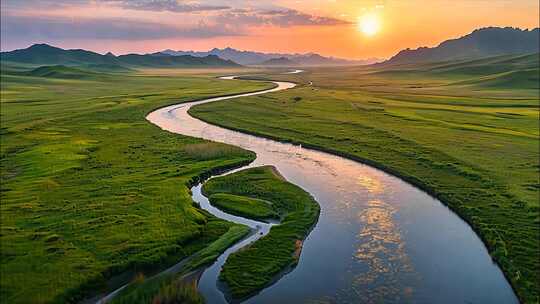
[254,267]
[243,206]
[89,188]
[174,288]
[466,132]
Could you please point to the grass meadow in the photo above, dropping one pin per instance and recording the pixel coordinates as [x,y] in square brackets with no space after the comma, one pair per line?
[249,270]
[89,188]
[180,287]
[244,206]
[465,131]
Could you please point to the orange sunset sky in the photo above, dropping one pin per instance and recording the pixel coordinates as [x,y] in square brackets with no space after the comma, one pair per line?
[328,27]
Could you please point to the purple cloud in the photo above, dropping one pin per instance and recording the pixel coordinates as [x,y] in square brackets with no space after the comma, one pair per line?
[178,6]
[281,18]
[169,5]
[47,28]
[20,28]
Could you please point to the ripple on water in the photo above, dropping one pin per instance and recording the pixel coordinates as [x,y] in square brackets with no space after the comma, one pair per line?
[378,238]
[381,254]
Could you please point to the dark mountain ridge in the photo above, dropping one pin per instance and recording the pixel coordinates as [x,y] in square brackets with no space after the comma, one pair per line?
[44,54]
[281,61]
[258,58]
[484,42]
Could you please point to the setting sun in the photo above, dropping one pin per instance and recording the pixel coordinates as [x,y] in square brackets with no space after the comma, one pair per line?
[269,151]
[369,24]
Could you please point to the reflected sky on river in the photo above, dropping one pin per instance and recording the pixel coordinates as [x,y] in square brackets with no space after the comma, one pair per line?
[378,238]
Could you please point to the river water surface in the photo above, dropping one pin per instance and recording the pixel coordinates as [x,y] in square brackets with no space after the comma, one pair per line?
[378,239]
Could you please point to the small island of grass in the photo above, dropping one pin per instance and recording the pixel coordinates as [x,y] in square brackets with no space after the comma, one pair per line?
[258,193]
[244,206]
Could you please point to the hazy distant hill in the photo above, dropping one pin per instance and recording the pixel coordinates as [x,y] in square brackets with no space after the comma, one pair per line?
[241,57]
[43,54]
[491,41]
[316,59]
[281,61]
[174,61]
[258,58]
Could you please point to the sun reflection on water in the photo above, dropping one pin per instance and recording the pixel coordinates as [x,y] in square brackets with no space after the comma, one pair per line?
[371,184]
[381,251]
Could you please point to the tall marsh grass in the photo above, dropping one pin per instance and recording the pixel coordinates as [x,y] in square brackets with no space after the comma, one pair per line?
[206,151]
[179,292]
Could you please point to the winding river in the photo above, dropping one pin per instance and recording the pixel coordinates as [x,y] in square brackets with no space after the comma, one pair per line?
[378,239]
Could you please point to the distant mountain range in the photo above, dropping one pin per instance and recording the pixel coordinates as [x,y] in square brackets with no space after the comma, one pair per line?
[281,61]
[44,54]
[259,58]
[485,42]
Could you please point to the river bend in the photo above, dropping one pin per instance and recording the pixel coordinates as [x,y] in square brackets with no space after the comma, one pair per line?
[378,238]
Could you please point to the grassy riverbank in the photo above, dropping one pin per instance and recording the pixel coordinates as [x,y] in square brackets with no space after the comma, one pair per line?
[174,288]
[90,189]
[254,267]
[463,131]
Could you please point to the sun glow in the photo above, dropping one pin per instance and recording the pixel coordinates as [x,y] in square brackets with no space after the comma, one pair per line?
[369,24]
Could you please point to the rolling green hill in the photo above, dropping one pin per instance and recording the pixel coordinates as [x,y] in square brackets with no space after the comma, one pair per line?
[60,71]
[523,79]
[490,65]
[43,54]
[495,72]
[108,68]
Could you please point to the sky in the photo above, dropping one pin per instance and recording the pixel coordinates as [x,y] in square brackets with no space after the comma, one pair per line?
[356,29]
